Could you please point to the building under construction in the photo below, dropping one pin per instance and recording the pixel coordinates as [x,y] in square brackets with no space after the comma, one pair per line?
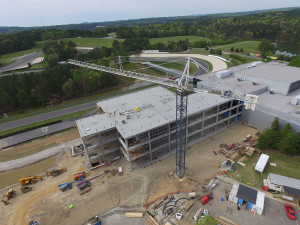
[142,125]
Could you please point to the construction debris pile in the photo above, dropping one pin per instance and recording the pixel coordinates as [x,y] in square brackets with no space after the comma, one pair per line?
[243,148]
[173,207]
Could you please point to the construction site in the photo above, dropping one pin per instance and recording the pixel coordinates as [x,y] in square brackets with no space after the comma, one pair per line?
[142,126]
[120,169]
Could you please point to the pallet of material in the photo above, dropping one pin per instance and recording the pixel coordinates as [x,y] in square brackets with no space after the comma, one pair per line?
[188,206]
[224,221]
[234,155]
[134,215]
[150,220]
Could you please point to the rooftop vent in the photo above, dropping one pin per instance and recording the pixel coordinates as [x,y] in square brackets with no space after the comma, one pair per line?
[257,82]
[273,91]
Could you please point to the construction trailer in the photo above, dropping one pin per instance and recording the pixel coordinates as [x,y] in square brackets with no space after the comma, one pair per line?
[286,185]
[142,125]
[261,163]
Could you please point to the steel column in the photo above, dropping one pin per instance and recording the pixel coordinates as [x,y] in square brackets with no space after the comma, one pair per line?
[181,126]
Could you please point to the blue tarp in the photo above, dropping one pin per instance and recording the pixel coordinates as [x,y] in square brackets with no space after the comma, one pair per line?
[249,205]
[240,201]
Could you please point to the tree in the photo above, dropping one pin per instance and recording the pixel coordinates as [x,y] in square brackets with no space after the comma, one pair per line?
[242,50]
[232,49]
[236,50]
[266,47]
[295,62]
[207,220]
[68,88]
[24,98]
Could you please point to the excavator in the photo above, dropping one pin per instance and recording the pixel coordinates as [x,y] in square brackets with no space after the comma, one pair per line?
[55,172]
[8,195]
[29,180]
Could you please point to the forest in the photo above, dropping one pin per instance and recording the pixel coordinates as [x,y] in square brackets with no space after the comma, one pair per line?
[282,26]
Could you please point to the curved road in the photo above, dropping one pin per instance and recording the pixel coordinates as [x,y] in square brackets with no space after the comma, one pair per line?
[22,62]
[217,64]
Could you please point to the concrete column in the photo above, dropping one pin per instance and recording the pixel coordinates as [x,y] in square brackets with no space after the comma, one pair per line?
[150,148]
[169,137]
[129,159]
[217,118]
[202,125]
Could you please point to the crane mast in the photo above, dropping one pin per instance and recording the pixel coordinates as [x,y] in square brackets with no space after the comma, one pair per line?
[181,102]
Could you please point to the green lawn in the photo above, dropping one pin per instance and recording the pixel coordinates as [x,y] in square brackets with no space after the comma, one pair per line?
[176,39]
[93,42]
[178,66]
[44,122]
[140,68]
[285,166]
[248,46]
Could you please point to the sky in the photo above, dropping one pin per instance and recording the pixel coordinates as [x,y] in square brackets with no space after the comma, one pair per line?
[57,12]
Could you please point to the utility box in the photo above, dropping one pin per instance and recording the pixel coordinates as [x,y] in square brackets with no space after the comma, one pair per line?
[223,73]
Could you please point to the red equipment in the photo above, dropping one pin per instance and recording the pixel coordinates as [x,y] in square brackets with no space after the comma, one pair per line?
[206,198]
[79,175]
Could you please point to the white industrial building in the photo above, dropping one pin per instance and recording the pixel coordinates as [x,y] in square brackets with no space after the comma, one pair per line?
[250,198]
[277,86]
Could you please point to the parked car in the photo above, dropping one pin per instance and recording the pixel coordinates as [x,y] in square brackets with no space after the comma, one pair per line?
[290,212]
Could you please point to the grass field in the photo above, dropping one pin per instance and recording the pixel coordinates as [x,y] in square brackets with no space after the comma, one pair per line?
[93,42]
[285,165]
[139,68]
[9,155]
[248,46]
[178,66]
[13,176]
[176,39]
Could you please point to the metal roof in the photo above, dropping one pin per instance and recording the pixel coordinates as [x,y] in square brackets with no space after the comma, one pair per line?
[284,181]
[291,191]
[273,71]
[94,124]
[247,194]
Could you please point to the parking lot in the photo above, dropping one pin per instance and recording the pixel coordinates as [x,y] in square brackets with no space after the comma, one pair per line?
[274,211]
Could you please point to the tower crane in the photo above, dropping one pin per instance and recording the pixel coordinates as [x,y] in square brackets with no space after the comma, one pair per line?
[183,86]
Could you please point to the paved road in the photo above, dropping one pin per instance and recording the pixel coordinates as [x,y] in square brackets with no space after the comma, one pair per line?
[22,62]
[200,71]
[36,133]
[28,160]
[217,64]
[61,112]
[274,212]
[45,116]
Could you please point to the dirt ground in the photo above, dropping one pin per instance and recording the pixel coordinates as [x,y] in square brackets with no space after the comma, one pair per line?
[48,205]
